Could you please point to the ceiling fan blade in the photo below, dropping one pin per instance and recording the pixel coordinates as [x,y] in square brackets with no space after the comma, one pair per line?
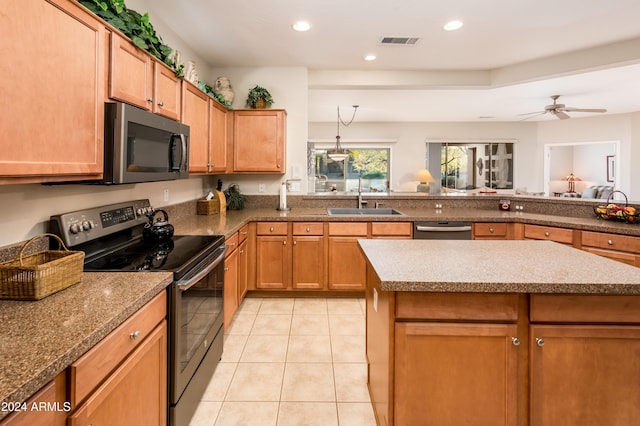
[561,115]
[571,109]
[532,114]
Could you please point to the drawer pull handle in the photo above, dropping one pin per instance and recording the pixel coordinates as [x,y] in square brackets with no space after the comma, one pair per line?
[491,230]
[271,229]
[546,234]
[243,232]
[149,99]
[160,104]
[294,242]
[241,251]
[135,335]
[610,242]
[515,341]
[226,269]
[284,243]
[308,229]
[539,341]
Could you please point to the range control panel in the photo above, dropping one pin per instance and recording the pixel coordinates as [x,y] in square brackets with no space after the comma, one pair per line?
[87,225]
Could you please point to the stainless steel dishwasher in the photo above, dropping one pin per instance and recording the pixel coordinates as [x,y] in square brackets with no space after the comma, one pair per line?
[441,230]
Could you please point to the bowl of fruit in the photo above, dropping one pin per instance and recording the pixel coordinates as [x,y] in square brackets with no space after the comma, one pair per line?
[618,212]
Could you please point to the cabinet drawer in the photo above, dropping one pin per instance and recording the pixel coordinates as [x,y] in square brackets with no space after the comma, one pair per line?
[232,243]
[391,228]
[90,369]
[348,228]
[585,309]
[243,233]
[560,235]
[272,228]
[443,306]
[308,228]
[490,229]
[611,241]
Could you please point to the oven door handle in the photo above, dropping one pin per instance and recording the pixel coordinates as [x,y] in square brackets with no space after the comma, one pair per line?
[186,285]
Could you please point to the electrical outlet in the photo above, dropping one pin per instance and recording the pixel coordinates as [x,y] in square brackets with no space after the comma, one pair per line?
[261,187]
[165,195]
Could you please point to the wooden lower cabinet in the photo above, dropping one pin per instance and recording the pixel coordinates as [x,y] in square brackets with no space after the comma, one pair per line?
[623,248]
[135,393]
[243,269]
[549,233]
[455,374]
[585,375]
[491,231]
[347,265]
[272,259]
[307,262]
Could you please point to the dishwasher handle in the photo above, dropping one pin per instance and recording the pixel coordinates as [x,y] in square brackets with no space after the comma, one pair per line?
[422,228]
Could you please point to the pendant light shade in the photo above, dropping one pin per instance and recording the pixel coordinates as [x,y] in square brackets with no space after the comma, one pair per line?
[339,153]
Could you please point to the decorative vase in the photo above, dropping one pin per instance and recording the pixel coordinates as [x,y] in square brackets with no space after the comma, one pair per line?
[192,74]
[222,87]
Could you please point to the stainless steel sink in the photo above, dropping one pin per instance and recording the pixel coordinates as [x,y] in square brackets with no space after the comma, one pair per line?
[363,212]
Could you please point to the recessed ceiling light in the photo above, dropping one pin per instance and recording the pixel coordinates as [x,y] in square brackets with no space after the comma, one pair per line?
[453,25]
[369,57]
[302,26]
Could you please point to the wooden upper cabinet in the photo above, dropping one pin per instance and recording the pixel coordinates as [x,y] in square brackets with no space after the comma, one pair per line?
[195,113]
[130,73]
[217,137]
[52,98]
[135,77]
[167,91]
[259,140]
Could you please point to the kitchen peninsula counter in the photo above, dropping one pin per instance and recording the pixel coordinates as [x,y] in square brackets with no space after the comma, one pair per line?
[40,339]
[513,332]
[496,267]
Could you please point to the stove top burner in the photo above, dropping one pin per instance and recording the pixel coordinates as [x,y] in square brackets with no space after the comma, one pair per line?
[172,255]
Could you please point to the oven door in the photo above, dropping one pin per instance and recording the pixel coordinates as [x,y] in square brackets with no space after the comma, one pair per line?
[196,319]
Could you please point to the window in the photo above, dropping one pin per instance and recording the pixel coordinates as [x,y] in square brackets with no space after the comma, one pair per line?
[466,166]
[369,164]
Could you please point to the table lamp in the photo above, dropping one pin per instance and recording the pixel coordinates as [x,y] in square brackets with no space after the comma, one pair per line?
[424,176]
[572,179]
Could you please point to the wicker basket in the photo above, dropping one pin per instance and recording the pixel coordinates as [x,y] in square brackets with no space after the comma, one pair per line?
[208,206]
[38,275]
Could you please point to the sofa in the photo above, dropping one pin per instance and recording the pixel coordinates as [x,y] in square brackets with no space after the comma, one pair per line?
[598,192]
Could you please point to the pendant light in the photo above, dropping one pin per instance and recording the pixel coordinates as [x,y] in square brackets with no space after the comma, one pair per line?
[339,153]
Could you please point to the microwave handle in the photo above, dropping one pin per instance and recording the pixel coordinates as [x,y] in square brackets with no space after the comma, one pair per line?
[184,157]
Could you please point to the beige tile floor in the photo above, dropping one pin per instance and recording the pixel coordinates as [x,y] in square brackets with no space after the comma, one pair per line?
[294,361]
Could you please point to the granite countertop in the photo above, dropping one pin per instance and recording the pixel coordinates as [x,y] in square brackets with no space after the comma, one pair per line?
[496,267]
[229,222]
[39,339]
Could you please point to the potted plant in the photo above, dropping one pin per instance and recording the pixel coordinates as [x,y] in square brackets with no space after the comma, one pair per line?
[259,98]
[235,200]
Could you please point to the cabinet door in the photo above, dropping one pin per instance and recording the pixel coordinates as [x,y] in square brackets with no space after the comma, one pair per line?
[217,137]
[230,287]
[259,141]
[131,74]
[195,113]
[272,262]
[308,263]
[347,265]
[585,375]
[167,90]
[455,374]
[52,102]
[136,393]
[243,264]
[53,392]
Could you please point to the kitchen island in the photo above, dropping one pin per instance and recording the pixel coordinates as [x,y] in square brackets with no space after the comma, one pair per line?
[501,333]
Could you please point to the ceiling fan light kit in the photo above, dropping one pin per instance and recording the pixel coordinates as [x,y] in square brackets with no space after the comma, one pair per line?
[560,110]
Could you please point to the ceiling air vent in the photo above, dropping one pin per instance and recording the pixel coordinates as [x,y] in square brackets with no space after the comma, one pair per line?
[399,41]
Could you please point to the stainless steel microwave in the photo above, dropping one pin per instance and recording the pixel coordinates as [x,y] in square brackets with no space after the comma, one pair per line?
[143,147]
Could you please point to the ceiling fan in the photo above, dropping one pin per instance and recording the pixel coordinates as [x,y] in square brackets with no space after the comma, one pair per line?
[560,110]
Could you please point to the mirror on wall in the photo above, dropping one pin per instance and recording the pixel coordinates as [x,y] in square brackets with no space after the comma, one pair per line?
[465,166]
